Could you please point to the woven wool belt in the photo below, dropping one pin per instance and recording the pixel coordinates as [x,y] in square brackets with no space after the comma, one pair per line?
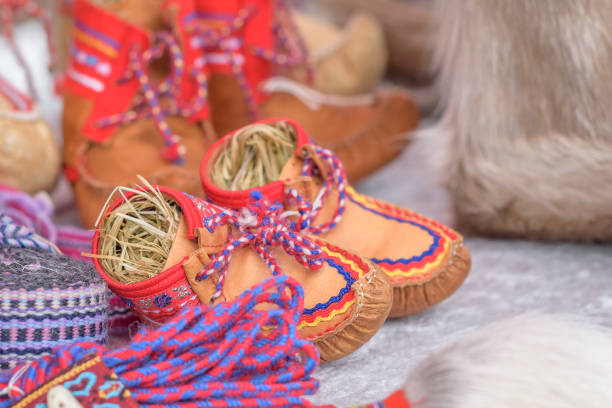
[46,299]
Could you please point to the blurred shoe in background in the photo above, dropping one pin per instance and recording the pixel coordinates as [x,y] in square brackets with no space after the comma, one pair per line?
[135,103]
[249,44]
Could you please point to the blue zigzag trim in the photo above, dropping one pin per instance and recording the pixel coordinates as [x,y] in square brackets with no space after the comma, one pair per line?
[416,258]
[349,281]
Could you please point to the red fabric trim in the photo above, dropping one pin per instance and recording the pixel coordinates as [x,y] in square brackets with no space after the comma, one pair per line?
[256,32]
[114,98]
[189,87]
[348,296]
[236,199]
[349,255]
[333,328]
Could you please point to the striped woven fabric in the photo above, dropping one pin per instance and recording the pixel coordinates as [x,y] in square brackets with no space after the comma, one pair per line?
[30,219]
[36,213]
[13,235]
[46,299]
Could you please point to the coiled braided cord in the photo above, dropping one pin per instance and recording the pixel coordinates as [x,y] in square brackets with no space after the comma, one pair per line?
[228,355]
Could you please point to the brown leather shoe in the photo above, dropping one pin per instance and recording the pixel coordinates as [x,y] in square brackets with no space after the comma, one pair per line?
[134,103]
[217,254]
[366,131]
[424,260]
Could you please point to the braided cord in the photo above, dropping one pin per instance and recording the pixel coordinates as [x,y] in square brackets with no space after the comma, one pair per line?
[261,226]
[290,50]
[227,355]
[148,105]
[336,180]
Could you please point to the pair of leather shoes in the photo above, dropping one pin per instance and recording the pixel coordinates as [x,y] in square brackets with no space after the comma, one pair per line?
[359,260]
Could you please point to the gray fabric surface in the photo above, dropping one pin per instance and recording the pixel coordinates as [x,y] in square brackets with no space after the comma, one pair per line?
[507,278]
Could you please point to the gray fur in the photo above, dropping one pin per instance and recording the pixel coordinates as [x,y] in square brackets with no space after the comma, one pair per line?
[525,137]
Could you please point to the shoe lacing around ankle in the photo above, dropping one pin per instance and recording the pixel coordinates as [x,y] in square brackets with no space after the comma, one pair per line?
[147,104]
[13,9]
[260,226]
[290,51]
[335,180]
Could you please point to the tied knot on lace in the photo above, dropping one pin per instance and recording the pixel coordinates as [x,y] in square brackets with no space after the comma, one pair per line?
[290,48]
[11,10]
[233,354]
[333,178]
[261,226]
[147,103]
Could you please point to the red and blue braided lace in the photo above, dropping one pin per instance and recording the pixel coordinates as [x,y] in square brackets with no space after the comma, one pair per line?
[228,355]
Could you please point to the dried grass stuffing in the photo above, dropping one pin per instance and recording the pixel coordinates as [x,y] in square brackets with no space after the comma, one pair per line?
[254,156]
[136,237]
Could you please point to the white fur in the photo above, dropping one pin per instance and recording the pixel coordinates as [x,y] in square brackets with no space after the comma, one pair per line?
[524,362]
[525,137]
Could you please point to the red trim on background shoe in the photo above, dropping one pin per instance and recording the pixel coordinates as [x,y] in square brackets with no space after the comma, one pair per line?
[189,88]
[256,32]
[272,192]
[106,40]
